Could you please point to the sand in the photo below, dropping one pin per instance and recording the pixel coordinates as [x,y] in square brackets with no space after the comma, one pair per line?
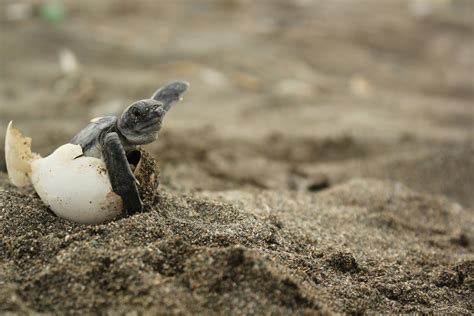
[314,166]
[363,246]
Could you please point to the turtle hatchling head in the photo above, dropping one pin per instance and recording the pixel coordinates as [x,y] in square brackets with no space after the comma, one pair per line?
[142,120]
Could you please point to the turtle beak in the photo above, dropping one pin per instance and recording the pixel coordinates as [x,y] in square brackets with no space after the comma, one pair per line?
[158,115]
[159,111]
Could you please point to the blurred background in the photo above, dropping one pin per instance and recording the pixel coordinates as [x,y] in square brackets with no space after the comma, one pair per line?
[285,95]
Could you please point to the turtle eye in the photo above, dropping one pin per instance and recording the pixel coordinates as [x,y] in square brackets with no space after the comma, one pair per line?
[136,112]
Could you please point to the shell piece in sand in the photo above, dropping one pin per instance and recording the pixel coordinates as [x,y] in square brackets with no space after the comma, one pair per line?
[18,157]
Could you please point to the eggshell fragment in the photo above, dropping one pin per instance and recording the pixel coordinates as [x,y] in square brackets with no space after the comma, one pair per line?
[18,157]
[76,188]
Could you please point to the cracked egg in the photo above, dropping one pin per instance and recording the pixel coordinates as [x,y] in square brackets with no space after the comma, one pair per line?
[74,187]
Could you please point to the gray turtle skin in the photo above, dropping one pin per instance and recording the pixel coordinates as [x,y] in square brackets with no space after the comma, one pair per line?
[112,139]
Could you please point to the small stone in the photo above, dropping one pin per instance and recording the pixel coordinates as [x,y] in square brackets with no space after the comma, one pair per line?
[68,62]
[360,86]
[343,261]
[18,11]
[318,183]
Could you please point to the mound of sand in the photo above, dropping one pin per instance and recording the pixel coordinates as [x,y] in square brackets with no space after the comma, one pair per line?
[362,246]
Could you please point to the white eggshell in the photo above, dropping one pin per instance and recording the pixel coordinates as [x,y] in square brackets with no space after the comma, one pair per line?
[76,188]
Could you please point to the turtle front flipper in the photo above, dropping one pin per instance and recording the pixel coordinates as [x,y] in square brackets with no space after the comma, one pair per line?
[170,94]
[121,177]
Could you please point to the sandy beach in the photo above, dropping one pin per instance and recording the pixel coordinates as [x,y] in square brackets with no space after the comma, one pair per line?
[322,161]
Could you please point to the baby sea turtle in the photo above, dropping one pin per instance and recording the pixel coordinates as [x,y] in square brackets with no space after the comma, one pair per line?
[114,139]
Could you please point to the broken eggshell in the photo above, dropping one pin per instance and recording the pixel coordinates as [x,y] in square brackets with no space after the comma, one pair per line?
[74,187]
[18,157]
